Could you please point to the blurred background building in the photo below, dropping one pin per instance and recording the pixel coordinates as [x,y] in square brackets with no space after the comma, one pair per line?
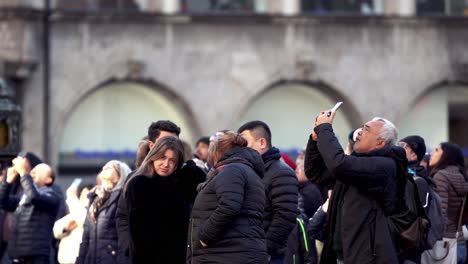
[90,75]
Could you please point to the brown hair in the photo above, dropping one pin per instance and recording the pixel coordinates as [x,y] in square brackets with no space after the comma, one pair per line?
[223,142]
[143,149]
[158,151]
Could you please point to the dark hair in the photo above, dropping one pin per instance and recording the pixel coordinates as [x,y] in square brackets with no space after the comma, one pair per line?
[452,154]
[83,186]
[154,130]
[188,154]
[158,151]
[142,151]
[259,129]
[223,143]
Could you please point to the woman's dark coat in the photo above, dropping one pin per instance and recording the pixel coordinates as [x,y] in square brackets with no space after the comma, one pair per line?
[228,212]
[99,244]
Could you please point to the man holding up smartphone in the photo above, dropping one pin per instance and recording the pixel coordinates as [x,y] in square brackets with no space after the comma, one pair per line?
[364,190]
[35,210]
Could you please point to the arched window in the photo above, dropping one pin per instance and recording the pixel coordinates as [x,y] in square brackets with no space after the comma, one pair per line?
[290,110]
[110,122]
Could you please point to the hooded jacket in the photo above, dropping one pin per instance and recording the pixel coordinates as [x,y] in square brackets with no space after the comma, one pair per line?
[364,194]
[228,212]
[451,187]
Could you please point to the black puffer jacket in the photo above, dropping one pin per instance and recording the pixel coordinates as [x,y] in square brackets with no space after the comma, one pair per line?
[282,188]
[99,243]
[364,193]
[228,212]
[186,179]
[33,220]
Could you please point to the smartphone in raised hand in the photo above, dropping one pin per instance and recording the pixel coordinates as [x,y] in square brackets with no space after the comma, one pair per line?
[76,182]
[335,108]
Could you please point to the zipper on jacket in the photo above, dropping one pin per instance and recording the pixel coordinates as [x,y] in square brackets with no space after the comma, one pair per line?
[303,234]
[191,240]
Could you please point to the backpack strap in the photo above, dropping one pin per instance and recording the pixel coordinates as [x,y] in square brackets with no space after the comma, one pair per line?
[304,237]
[461,215]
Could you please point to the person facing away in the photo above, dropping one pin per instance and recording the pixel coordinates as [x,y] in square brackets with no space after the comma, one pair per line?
[225,224]
[35,210]
[159,214]
[415,149]
[99,242]
[447,168]
[365,191]
[281,186]
[69,229]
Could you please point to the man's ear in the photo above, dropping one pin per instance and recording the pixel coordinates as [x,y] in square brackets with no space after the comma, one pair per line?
[48,180]
[263,143]
[381,143]
[151,145]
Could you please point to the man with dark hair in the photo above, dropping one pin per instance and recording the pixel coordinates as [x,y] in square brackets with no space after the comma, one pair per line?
[190,176]
[35,211]
[281,186]
[415,149]
[160,129]
[201,153]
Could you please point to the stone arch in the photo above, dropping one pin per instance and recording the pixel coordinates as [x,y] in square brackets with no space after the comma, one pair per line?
[348,116]
[190,130]
[437,113]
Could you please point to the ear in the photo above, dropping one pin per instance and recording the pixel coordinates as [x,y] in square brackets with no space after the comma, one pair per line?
[263,143]
[48,180]
[151,145]
[381,143]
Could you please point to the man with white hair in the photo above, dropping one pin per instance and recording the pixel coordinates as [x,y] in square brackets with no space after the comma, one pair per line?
[365,190]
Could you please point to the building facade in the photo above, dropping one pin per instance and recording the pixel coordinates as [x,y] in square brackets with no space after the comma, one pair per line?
[90,82]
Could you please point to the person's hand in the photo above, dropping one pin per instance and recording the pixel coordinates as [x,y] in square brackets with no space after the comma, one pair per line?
[19,163]
[11,175]
[314,135]
[203,244]
[323,118]
[325,205]
[72,192]
[71,225]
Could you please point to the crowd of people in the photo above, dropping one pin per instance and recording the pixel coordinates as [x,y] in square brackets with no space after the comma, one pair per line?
[238,199]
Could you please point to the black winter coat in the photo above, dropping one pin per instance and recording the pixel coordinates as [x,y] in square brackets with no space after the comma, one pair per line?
[281,186]
[158,220]
[99,243]
[33,220]
[364,193]
[228,212]
[187,179]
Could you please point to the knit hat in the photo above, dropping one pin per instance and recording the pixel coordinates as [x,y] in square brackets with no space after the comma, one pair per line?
[205,140]
[417,145]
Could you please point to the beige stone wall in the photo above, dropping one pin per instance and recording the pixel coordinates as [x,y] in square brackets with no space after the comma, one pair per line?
[377,66]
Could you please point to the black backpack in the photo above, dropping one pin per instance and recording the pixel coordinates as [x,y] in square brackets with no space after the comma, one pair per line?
[434,212]
[300,248]
[410,223]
